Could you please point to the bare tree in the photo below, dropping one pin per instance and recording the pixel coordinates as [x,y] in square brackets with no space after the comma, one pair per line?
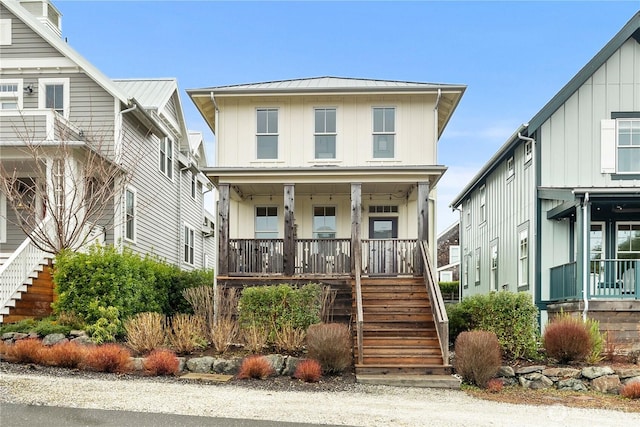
[65,186]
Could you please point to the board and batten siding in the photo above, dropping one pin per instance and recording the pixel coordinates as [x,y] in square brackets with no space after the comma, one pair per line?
[414,135]
[25,43]
[570,138]
[509,205]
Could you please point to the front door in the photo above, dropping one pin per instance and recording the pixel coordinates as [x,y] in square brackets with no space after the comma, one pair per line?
[382,253]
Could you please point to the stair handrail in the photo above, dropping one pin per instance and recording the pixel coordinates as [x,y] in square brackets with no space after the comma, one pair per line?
[437,303]
[16,270]
[359,311]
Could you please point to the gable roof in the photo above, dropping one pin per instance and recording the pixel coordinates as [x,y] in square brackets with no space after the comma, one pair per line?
[152,93]
[449,95]
[630,30]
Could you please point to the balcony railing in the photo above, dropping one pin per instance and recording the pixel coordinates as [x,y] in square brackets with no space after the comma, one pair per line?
[606,279]
[324,256]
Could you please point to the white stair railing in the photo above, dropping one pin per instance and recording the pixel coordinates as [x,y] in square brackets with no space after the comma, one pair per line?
[17,269]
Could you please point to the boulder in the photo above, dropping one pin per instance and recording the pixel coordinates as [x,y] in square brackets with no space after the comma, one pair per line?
[290,366]
[82,339]
[200,364]
[277,363]
[7,336]
[592,372]
[573,384]
[19,336]
[529,369]
[535,381]
[226,366]
[137,363]
[631,380]
[606,384]
[627,372]
[561,373]
[77,333]
[181,362]
[506,372]
[52,339]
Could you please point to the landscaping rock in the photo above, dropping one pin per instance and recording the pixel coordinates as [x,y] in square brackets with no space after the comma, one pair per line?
[606,384]
[200,364]
[631,380]
[137,363]
[592,372]
[181,362]
[33,335]
[506,372]
[82,339]
[561,373]
[52,339]
[535,381]
[7,336]
[78,333]
[290,366]
[529,369]
[573,384]
[226,366]
[627,372]
[277,362]
[19,336]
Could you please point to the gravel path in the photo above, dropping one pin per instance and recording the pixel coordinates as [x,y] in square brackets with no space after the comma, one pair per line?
[364,405]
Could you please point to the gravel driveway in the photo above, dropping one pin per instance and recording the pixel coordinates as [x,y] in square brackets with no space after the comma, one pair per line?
[363,405]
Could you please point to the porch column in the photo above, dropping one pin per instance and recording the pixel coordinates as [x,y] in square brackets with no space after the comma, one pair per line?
[356,225]
[289,246]
[423,211]
[223,230]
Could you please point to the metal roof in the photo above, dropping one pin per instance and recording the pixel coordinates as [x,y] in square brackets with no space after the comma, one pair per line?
[152,93]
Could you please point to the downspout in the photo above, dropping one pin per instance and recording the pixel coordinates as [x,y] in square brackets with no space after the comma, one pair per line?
[534,219]
[118,153]
[585,256]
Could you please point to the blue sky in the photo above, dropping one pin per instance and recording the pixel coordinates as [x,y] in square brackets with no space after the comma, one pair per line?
[513,55]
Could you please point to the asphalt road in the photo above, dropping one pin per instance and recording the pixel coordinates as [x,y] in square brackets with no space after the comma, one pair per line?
[12,415]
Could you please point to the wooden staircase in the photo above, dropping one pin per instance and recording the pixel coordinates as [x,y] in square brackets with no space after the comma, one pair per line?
[34,299]
[400,344]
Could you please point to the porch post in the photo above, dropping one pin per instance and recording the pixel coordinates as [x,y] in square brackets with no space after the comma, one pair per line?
[223,230]
[289,246]
[356,224]
[423,211]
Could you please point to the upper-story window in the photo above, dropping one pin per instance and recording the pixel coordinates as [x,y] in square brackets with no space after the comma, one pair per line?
[5,32]
[130,214]
[166,157]
[54,94]
[325,133]
[10,94]
[454,254]
[528,151]
[510,167]
[384,132]
[483,204]
[189,245]
[194,185]
[628,145]
[267,133]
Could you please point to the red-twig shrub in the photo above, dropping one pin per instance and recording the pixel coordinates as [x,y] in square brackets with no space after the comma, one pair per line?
[495,385]
[161,362]
[308,370]
[108,358]
[255,367]
[566,339]
[25,351]
[330,344]
[478,356]
[631,390]
[3,347]
[65,355]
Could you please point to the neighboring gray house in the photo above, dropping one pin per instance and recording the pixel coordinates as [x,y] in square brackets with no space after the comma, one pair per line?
[50,93]
[556,211]
[449,254]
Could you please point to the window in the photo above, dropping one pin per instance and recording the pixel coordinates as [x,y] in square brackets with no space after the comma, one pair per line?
[324,222]
[267,133]
[130,214]
[628,240]
[166,157]
[384,128]
[477,277]
[194,185]
[189,238]
[10,94]
[325,133]
[266,222]
[5,32]
[483,204]
[54,95]
[465,261]
[446,276]
[494,266]
[454,254]
[467,207]
[528,151]
[383,209]
[510,170]
[628,145]
[523,258]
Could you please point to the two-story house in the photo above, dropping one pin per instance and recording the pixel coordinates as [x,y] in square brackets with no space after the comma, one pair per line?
[52,97]
[333,180]
[556,211]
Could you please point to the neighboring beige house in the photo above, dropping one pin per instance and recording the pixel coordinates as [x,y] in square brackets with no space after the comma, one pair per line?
[51,96]
[328,179]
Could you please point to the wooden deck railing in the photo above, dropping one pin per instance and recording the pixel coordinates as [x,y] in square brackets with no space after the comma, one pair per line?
[323,256]
[390,256]
[251,256]
[437,303]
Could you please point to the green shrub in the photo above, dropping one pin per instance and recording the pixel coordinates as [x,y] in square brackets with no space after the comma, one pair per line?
[24,326]
[597,340]
[449,287]
[278,306]
[511,316]
[107,327]
[42,327]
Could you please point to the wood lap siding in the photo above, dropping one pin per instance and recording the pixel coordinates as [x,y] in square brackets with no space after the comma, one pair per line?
[24,42]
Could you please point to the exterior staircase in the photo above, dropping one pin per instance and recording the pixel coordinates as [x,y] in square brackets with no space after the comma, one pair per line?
[33,299]
[400,343]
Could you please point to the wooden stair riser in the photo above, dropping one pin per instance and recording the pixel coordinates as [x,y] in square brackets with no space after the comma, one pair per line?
[400,351]
[400,341]
[401,360]
[412,370]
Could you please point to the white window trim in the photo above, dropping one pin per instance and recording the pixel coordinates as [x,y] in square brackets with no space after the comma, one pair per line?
[394,133]
[194,185]
[190,246]
[66,93]
[618,224]
[511,171]
[335,134]
[164,158]
[313,215]
[523,279]
[483,204]
[528,151]
[19,97]
[478,272]
[5,32]
[493,263]
[276,134]
[452,249]
[3,218]
[617,134]
[446,276]
[135,214]
[255,220]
